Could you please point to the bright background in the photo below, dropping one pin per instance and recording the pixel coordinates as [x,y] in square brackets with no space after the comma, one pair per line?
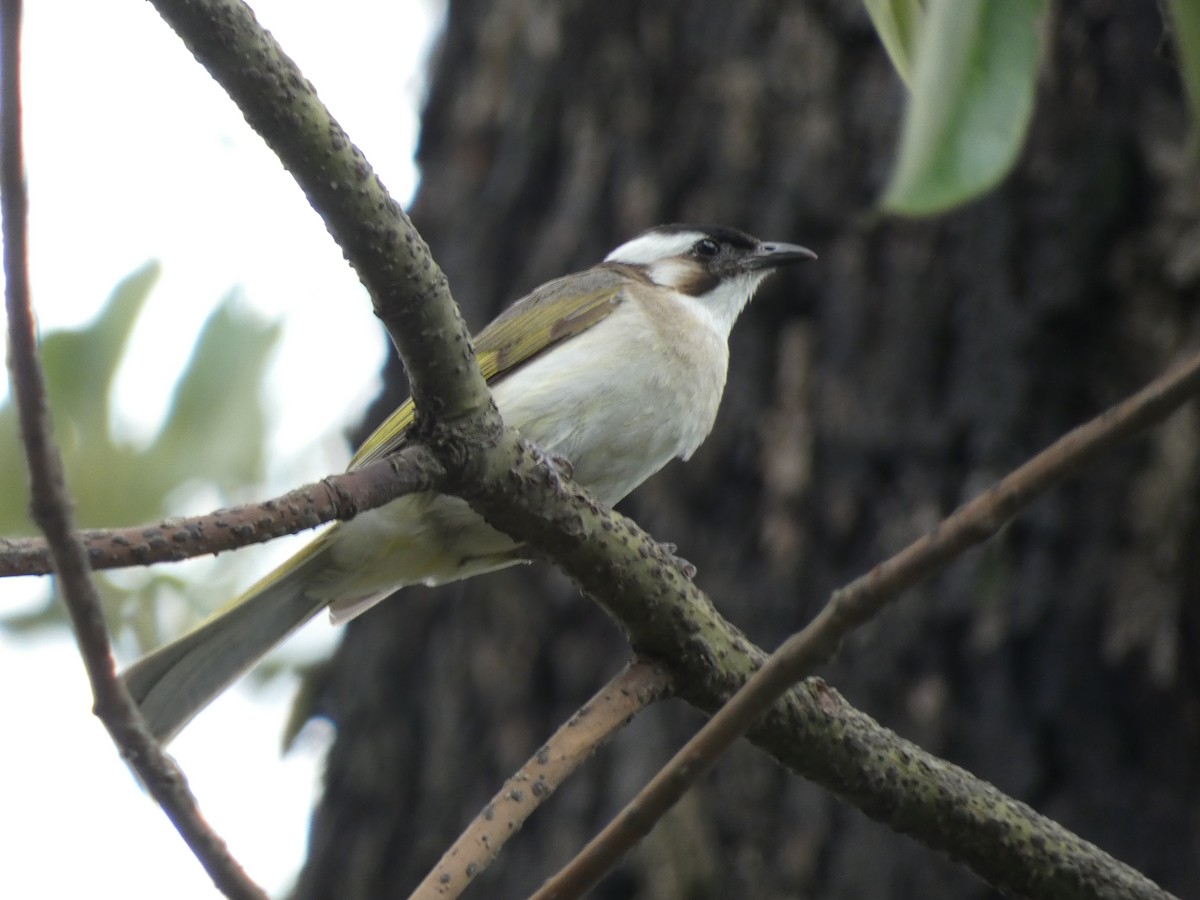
[134,153]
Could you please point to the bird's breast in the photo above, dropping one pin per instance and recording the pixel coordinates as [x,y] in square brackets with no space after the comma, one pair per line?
[623,398]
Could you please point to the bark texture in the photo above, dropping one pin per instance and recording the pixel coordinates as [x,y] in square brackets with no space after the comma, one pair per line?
[869,394]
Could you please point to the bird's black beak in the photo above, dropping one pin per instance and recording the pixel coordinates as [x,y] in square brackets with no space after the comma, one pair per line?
[772,254]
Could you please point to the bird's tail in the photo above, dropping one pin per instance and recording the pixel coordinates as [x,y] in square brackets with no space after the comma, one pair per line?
[173,683]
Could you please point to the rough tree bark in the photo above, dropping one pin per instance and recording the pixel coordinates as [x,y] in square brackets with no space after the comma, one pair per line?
[869,395]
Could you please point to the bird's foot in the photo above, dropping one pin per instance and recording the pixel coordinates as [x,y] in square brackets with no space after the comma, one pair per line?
[685,567]
[555,466]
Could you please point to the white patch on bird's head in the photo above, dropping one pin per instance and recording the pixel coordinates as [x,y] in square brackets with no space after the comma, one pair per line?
[703,265]
[667,258]
[651,247]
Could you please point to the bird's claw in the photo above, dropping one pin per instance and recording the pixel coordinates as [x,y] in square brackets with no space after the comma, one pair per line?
[554,465]
[688,570]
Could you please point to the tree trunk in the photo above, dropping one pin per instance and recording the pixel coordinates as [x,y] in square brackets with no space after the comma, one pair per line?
[869,394]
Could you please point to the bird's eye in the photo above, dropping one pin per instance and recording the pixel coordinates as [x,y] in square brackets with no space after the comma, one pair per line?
[706,248]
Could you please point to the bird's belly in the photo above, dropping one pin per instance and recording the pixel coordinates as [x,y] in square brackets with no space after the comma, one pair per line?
[631,414]
[416,539]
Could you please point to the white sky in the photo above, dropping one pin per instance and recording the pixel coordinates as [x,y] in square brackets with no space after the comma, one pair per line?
[134,153]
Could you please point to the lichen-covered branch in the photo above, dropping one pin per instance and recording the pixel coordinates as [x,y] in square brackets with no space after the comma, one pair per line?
[408,288]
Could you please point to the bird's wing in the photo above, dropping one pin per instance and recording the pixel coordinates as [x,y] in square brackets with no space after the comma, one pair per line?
[556,311]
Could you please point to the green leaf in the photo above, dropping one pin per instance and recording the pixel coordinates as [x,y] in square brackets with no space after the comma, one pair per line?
[216,426]
[80,366]
[1185,26]
[214,434]
[972,99]
[898,23]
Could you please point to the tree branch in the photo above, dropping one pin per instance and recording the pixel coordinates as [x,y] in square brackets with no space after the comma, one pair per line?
[1077,868]
[50,505]
[335,497]
[629,692]
[409,291]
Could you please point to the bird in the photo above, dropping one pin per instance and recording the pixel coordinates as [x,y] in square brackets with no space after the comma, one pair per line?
[617,369]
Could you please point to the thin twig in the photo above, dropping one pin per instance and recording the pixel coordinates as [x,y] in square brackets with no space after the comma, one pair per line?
[50,505]
[857,603]
[629,692]
[337,497]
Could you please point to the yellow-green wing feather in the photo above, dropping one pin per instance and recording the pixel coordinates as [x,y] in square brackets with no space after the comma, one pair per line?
[554,312]
[386,438]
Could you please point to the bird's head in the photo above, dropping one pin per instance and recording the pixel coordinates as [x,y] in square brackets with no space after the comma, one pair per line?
[718,267]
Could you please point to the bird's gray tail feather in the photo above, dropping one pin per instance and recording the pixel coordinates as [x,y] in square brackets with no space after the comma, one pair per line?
[179,679]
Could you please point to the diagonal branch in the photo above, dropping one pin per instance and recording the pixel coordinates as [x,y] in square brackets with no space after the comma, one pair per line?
[50,505]
[409,291]
[629,692]
[860,601]
[336,497]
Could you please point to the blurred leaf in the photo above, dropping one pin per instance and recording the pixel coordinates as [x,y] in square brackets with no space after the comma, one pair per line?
[214,434]
[216,426]
[898,23]
[1185,25]
[80,366]
[972,99]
